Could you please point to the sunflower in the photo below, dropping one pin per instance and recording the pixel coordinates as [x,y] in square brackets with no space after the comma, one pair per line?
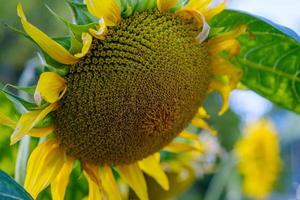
[259,160]
[136,75]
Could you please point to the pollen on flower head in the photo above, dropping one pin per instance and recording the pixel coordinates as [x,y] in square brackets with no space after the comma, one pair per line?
[135,91]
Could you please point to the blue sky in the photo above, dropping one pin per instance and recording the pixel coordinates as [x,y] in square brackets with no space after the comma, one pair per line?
[284,12]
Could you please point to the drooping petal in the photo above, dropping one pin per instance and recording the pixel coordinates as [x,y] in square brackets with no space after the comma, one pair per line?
[41,132]
[108,9]
[224,91]
[200,123]
[101,30]
[87,42]
[55,50]
[93,172]
[166,5]
[50,87]
[28,121]
[177,147]
[44,164]
[134,177]
[221,67]
[203,113]
[188,135]
[6,121]
[109,184]
[96,190]
[60,183]
[151,166]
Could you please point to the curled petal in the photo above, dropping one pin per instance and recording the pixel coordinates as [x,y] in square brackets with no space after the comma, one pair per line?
[87,42]
[224,91]
[28,121]
[134,177]
[108,9]
[101,30]
[50,87]
[151,166]
[166,5]
[44,164]
[55,50]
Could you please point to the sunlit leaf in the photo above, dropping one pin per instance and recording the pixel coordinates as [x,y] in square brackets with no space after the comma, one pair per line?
[269,57]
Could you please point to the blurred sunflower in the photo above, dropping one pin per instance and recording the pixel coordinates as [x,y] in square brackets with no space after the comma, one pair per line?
[136,74]
[259,159]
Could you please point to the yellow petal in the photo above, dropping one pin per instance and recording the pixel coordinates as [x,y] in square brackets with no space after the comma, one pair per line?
[6,121]
[50,87]
[211,12]
[188,135]
[203,113]
[55,50]
[109,184]
[134,177]
[221,67]
[166,5]
[101,30]
[200,123]
[151,166]
[28,121]
[108,9]
[224,91]
[95,186]
[60,183]
[44,164]
[182,147]
[93,172]
[95,192]
[41,132]
[87,42]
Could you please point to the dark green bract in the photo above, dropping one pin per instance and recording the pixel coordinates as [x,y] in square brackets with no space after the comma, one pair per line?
[135,91]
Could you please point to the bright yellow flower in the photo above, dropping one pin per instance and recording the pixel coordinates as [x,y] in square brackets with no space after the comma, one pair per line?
[139,78]
[259,159]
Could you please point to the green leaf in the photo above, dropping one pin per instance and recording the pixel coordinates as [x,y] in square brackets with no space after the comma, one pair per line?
[269,57]
[11,190]
[82,16]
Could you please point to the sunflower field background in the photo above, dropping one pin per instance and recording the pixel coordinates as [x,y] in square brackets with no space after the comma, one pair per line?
[221,170]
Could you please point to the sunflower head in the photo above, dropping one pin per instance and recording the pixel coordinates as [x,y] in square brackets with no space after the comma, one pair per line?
[135,90]
[135,75]
[259,158]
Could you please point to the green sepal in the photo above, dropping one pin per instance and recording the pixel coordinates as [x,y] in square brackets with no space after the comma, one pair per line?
[10,189]
[20,32]
[29,89]
[30,106]
[77,30]
[81,14]
[46,122]
[128,7]
[18,100]
[269,57]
